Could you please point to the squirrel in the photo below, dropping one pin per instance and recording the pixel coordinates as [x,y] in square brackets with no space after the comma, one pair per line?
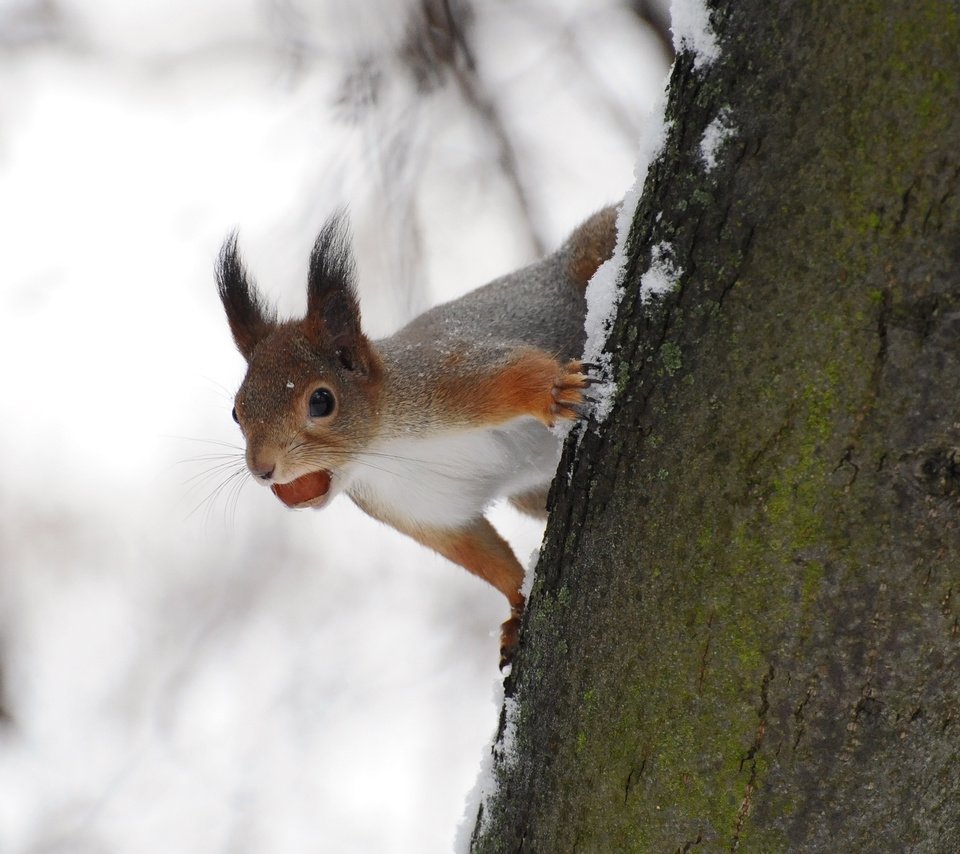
[424,429]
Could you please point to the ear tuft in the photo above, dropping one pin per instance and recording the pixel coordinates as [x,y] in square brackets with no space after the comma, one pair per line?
[333,309]
[249,316]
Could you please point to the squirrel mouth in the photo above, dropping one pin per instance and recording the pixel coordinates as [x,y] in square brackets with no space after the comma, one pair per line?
[309,490]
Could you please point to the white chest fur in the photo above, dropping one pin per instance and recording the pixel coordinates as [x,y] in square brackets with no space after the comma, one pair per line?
[446,480]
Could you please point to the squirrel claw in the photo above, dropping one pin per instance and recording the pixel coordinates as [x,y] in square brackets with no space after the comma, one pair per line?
[593,371]
[575,411]
[509,639]
[569,400]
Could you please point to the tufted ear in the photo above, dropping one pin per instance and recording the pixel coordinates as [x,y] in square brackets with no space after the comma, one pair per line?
[333,308]
[248,315]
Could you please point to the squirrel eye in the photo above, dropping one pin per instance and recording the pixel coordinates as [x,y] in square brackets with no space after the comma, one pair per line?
[321,403]
[234,415]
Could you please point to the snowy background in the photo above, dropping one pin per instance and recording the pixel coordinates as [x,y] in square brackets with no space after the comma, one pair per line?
[186,666]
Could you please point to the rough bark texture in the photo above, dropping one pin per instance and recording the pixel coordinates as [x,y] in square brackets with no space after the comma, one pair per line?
[745,630]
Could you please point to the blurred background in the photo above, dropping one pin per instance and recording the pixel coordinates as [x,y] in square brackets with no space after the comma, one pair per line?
[185,665]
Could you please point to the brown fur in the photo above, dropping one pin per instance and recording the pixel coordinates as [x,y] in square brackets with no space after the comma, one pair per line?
[591,244]
[532,503]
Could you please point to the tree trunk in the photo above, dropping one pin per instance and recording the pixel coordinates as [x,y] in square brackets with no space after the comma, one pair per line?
[745,628]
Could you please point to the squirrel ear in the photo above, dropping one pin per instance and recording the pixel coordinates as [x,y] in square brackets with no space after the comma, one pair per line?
[333,309]
[249,317]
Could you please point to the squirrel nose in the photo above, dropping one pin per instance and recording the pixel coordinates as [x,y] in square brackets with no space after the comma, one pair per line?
[262,469]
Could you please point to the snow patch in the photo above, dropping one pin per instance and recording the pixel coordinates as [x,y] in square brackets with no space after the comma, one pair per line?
[662,275]
[502,753]
[605,289]
[714,137]
[503,750]
[530,574]
[690,23]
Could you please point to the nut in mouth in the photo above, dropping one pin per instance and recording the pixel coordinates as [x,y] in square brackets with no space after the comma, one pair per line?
[308,490]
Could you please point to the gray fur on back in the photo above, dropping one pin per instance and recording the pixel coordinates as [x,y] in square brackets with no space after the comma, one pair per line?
[538,306]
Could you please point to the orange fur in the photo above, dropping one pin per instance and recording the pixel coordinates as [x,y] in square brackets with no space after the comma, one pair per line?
[531,383]
[479,549]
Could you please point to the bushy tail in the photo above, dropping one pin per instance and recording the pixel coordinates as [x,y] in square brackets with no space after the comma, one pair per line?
[590,245]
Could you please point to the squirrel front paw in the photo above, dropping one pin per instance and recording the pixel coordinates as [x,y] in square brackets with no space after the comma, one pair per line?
[570,400]
[531,382]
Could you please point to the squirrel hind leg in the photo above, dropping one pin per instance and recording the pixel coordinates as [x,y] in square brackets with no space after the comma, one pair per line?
[479,549]
[590,244]
[533,503]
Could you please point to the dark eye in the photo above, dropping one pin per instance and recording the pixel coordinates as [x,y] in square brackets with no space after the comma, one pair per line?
[234,414]
[321,403]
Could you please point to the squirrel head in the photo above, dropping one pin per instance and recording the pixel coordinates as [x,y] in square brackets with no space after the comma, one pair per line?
[309,400]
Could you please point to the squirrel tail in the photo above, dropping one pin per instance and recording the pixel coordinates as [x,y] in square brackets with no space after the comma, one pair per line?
[590,245]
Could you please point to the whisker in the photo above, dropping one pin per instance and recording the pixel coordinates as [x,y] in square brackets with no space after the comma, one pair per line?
[225,473]
[208,458]
[209,501]
[232,501]
[199,479]
[222,443]
[322,458]
[303,452]
[218,386]
[349,456]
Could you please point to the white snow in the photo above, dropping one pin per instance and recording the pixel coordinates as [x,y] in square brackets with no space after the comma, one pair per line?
[502,748]
[530,573]
[503,754]
[605,290]
[662,275]
[690,23]
[715,136]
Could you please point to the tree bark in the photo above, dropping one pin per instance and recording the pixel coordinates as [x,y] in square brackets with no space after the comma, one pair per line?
[744,632]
